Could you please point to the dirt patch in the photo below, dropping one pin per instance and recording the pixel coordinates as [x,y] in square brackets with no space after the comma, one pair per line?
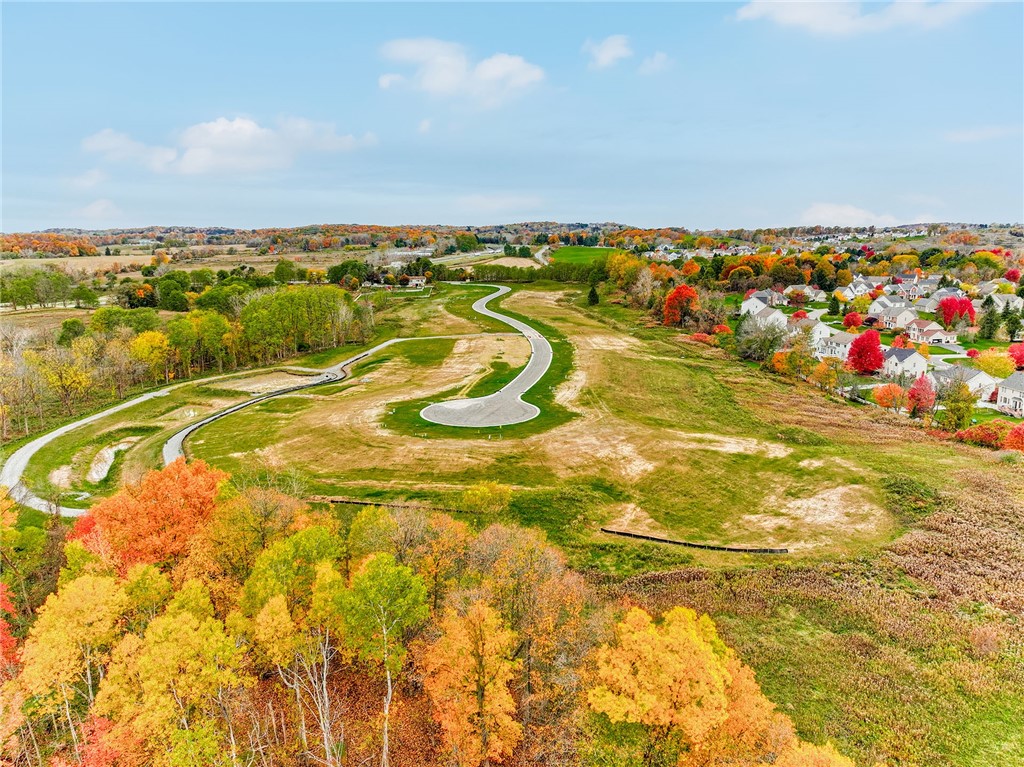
[569,390]
[61,477]
[262,384]
[529,263]
[592,443]
[724,444]
[606,342]
[632,519]
[803,523]
[104,459]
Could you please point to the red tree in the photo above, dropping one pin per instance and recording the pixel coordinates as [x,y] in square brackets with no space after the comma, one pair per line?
[8,642]
[853,320]
[1015,439]
[680,303]
[866,353]
[1016,352]
[154,521]
[953,309]
[921,397]
[1013,275]
[800,314]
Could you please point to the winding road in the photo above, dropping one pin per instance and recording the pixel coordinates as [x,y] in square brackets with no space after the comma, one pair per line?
[506,406]
[502,408]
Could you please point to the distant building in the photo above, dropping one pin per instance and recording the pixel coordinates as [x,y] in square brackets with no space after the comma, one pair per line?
[1010,399]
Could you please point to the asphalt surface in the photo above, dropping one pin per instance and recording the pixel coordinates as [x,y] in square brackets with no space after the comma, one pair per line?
[504,407]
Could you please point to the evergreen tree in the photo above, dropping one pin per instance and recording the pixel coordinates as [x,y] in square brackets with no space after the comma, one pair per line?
[593,299]
[833,305]
[989,325]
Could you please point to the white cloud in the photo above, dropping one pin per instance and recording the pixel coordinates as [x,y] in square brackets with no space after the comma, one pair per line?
[445,69]
[975,135]
[656,62]
[607,52]
[500,203]
[88,180]
[842,18]
[239,145]
[834,214]
[424,126]
[98,210]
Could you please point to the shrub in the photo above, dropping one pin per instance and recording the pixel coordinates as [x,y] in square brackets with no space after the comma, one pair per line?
[992,434]
[726,330]
[704,338]
[1015,439]
[973,353]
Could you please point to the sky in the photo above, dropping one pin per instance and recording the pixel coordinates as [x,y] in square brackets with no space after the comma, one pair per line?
[703,115]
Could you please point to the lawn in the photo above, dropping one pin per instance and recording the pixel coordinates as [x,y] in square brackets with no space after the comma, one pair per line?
[580,254]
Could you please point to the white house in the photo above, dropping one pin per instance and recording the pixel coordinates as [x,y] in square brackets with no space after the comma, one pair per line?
[1000,301]
[906,364]
[837,345]
[817,330]
[1010,399]
[979,382]
[897,317]
[769,317]
[929,332]
[991,286]
[812,293]
[882,303]
[931,303]
[417,282]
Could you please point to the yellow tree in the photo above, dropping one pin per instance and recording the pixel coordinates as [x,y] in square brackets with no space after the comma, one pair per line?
[64,372]
[669,678]
[69,645]
[468,673]
[153,350]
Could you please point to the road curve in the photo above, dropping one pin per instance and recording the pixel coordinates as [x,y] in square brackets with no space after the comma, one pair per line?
[506,406]
[502,408]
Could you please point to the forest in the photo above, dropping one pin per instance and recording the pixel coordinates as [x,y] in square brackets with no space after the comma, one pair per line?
[196,618]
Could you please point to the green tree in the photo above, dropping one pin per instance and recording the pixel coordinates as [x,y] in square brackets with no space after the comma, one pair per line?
[592,297]
[386,603]
[958,402]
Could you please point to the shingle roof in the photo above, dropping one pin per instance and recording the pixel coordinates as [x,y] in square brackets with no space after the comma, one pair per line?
[1015,382]
[901,355]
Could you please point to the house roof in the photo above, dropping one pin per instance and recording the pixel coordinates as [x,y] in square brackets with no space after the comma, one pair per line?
[842,337]
[1015,382]
[960,373]
[901,355]
[924,324]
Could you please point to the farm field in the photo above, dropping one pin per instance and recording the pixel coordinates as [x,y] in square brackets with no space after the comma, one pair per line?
[580,254]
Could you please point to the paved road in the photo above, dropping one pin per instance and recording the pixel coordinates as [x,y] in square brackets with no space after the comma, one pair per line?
[504,407]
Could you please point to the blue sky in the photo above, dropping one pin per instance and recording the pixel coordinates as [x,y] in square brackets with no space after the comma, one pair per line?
[691,114]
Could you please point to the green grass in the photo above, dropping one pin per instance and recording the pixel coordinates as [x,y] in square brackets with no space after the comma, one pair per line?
[579,254]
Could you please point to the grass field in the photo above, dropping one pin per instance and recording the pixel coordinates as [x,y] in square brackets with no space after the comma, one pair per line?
[579,254]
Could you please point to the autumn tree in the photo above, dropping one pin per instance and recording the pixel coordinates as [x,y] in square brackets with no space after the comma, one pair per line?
[291,602]
[921,397]
[468,676]
[171,687]
[852,321]
[386,602]
[680,304]
[1016,352]
[996,362]
[958,401]
[154,521]
[865,356]
[890,396]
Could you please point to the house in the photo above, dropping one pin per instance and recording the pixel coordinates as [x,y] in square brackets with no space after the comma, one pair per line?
[981,384]
[991,286]
[769,317]
[759,299]
[1000,301]
[1010,399]
[846,292]
[812,293]
[417,282]
[931,303]
[905,364]
[929,332]
[897,317]
[817,330]
[882,303]
[862,286]
[837,345]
